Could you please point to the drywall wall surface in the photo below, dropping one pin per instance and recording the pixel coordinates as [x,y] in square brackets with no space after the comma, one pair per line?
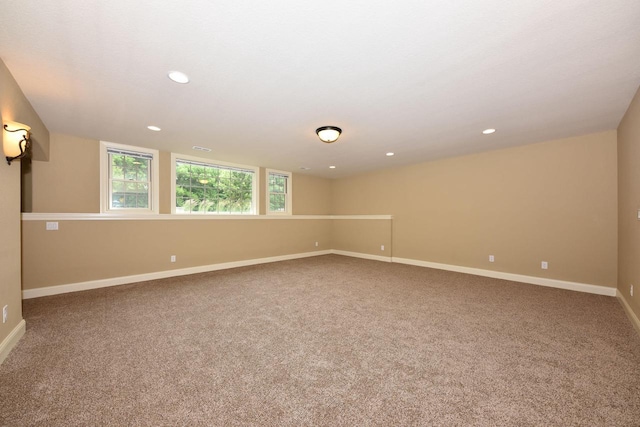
[554,201]
[70,181]
[89,250]
[311,195]
[14,106]
[164,162]
[10,291]
[370,237]
[629,205]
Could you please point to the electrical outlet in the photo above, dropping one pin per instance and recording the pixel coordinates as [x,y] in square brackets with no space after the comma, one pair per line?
[173,258]
[5,313]
[631,290]
[316,244]
[491,258]
[544,265]
[52,226]
[382,247]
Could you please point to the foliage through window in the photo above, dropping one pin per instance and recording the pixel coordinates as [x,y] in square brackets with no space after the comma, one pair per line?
[279,192]
[203,188]
[129,179]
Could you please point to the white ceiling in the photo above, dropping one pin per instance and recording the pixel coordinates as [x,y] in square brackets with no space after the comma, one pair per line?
[421,78]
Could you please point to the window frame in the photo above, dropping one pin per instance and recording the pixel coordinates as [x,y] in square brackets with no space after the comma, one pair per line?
[105,181]
[255,202]
[289,190]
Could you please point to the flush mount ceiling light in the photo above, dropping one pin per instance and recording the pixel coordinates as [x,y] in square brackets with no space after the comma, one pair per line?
[328,134]
[488,131]
[178,77]
[17,141]
[389,154]
[154,128]
[332,167]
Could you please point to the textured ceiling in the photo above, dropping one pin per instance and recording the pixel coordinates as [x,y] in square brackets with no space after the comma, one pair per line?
[420,78]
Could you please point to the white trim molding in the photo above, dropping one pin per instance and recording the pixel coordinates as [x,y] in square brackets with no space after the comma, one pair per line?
[105,180]
[627,308]
[178,217]
[115,281]
[361,255]
[12,339]
[374,217]
[288,192]
[532,280]
[158,217]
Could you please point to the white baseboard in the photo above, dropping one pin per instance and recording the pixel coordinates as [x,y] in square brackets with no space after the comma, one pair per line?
[632,316]
[361,255]
[115,281]
[532,280]
[12,339]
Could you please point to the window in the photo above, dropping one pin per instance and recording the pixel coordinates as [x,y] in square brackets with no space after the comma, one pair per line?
[203,186]
[129,179]
[278,192]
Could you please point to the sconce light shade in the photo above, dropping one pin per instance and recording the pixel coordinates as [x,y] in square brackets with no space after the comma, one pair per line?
[16,140]
[328,134]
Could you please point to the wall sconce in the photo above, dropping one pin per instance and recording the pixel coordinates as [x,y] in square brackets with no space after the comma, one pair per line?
[17,141]
[328,134]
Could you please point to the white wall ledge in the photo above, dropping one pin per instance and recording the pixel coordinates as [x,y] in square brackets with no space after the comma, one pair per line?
[179,217]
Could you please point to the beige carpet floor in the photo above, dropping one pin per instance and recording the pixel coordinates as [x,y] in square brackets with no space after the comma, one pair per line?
[329,340]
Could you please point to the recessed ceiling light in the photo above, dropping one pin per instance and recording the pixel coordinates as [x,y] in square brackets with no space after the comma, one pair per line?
[389,154]
[332,167]
[154,128]
[178,77]
[488,131]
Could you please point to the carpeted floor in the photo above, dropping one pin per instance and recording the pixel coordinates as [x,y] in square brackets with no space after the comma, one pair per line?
[328,340]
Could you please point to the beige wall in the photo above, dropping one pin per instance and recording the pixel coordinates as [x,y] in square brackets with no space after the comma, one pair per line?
[365,236]
[10,246]
[92,250]
[629,204]
[554,201]
[70,182]
[14,106]
[311,195]
[86,250]
[164,162]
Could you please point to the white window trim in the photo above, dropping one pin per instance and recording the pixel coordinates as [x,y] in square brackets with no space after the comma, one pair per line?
[255,205]
[289,202]
[104,179]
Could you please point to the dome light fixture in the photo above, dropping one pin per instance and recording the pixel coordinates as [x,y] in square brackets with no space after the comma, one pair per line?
[488,131]
[328,134]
